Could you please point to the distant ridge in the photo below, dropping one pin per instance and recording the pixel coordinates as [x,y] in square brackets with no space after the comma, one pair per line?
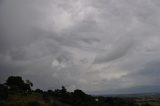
[154,94]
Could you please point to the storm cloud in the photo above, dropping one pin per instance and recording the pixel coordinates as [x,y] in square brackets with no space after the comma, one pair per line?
[99,46]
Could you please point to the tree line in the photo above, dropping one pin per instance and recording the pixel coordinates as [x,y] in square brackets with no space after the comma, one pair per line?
[76,98]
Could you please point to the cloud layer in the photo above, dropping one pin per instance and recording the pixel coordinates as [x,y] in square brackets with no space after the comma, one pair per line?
[107,46]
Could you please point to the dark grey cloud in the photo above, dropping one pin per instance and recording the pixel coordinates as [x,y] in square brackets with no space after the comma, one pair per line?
[118,50]
[87,44]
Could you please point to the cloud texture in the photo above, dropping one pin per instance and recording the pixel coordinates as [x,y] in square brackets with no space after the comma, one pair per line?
[99,46]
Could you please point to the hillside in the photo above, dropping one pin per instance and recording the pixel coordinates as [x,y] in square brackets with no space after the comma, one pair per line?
[31,99]
[17,92]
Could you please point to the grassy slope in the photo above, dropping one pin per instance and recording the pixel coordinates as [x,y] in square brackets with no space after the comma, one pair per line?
[23,99]
[27,98]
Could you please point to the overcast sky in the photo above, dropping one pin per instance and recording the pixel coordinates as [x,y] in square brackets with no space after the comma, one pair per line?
[99,46]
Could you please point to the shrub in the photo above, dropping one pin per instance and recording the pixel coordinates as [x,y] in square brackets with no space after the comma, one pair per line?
[3,92]
[45,97]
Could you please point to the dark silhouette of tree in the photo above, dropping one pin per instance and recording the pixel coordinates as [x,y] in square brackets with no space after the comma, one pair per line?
[16,83]
[64,94]
[39,91]
[29,83]
[63,90]
[50,92]
[57,91]
[79,93]
[26,87]
[82,99]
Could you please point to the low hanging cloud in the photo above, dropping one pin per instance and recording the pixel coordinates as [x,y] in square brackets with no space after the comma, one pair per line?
[96,46]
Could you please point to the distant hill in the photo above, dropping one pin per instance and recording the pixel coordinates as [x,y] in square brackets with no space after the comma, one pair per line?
[134,95]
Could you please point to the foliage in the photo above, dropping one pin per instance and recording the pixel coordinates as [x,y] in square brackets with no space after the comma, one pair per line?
[58,97]
[16,83]
[39,91]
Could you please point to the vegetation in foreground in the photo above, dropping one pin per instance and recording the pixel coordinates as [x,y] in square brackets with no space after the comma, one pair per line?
[17,92]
